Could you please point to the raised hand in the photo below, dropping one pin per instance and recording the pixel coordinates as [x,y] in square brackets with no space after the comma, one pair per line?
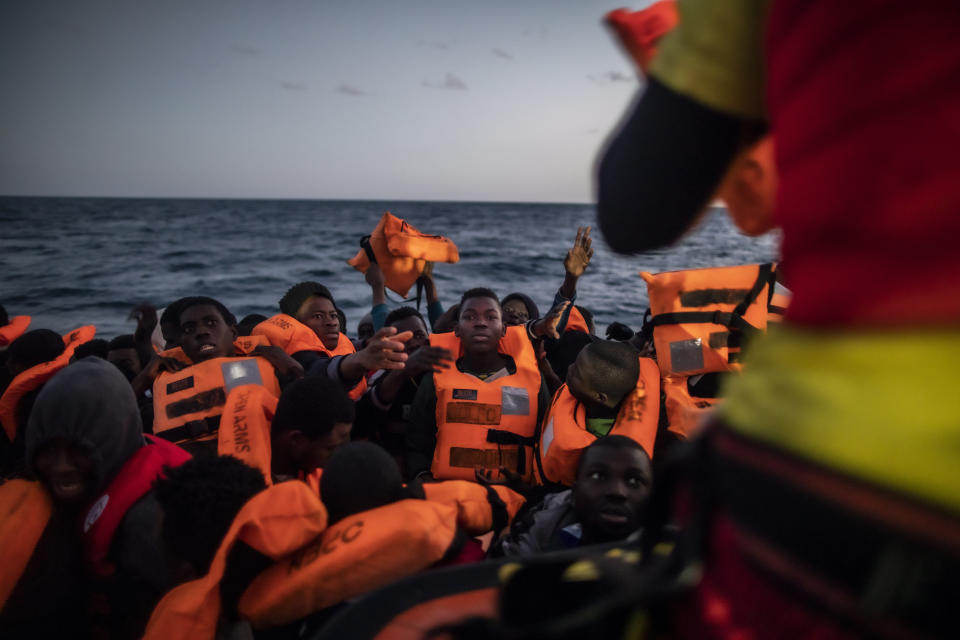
[578,257]
[546,327]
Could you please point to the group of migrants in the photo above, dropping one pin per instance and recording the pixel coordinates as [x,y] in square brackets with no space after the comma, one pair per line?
[752,462]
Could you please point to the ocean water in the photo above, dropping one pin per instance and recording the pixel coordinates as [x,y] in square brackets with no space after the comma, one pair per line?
[74,261]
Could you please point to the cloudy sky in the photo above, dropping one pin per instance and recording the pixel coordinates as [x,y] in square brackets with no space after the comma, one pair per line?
[393,99]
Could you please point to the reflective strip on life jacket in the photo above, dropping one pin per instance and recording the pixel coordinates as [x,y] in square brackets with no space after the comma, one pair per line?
[480,508]
[402,252]
[14,329]
[486,425]
[132,482]
[354,556]
[565,435]
[25,509]
[245,427]
[38,375]
[275,522]
[700,315]
[188,403]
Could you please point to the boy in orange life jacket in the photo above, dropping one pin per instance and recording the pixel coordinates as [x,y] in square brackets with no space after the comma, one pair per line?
[478,330]
[314,417]
[312,304]
[600,378]
[84,441]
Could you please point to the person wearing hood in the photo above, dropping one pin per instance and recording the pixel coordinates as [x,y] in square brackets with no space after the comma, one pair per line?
[85,444]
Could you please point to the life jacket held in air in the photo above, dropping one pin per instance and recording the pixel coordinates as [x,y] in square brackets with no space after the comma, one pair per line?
[14,329]
[402,252]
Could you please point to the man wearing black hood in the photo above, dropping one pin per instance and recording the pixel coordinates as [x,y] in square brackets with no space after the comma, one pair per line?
[85,443]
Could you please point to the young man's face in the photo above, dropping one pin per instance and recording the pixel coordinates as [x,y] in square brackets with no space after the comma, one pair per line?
[414,325]
[319,314]
[205,334]
[480,326]
[319,451]
[612,487]
[66,469]
[515,312]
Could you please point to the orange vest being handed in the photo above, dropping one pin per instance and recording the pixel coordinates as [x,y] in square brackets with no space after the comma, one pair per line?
[486,425]
[565,434]
[25,509]
[293,336]
[34,377]
[187,404]
[699,318]
[402,252]
[16,328]
[245,427]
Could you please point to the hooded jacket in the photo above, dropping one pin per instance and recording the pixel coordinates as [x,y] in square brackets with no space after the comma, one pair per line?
[90,403]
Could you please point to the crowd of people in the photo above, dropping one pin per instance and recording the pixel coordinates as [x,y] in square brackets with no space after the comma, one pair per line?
[252,477]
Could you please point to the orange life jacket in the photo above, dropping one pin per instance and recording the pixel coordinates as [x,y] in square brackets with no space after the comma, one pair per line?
[699,318]
[25,509]
[486,425]
[480,508]
[188,404]
[275,522]
[779,301]
[576,321]
[245,427]
[243,345]
[402,252]
[293,336]
[34,377]
[640,31]
[358,554]
[16,328]
[565,434]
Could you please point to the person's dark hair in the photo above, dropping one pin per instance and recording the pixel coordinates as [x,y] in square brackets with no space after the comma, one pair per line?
[609,442]
[478,292]
[296,295]
[200,499]
[615,367]
[313,405]
[171,314]
[359,476]
[194,301]
[527,301]
[35,347]
[587,317]
[447,321]
[4,318]
[619,331]
[343,319]
[97,347]
[125,341]
[403,312]
[249,321]
[565,351]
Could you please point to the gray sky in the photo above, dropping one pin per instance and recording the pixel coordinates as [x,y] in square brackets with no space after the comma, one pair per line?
[392,99]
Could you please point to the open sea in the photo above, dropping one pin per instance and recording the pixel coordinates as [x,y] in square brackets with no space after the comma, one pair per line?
[74,261]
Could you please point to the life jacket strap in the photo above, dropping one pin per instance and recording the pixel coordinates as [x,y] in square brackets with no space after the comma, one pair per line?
[192,429]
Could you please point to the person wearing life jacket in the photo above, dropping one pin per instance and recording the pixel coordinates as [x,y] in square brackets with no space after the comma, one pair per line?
[608,390]
[190,386]
[613,481]
[382,410]
[482,412]
[33,359]
[283,559]
[85,443]
[309,330]
[817,438]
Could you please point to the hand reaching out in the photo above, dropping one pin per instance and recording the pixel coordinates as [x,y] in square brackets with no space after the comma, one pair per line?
[578,257]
